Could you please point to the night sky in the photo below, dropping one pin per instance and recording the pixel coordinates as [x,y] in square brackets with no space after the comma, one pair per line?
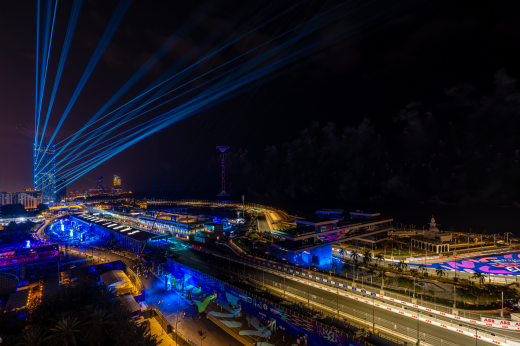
[420,103]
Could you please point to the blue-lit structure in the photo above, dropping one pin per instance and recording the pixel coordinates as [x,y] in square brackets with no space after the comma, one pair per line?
[311,240]
[129,238]
[45,171]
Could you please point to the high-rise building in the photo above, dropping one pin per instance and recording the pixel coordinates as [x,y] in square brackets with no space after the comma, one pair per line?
[44,171]
[117,184]
[100,185]
[61,189]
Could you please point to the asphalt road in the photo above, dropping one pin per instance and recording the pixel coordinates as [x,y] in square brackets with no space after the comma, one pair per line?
[444,334]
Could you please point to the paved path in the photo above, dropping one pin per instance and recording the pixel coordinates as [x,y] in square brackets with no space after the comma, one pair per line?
[174,305]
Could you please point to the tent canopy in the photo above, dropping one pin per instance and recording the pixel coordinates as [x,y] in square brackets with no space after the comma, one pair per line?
[116,279]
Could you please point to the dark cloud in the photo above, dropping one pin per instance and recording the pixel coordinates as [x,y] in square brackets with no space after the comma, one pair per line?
[463,150]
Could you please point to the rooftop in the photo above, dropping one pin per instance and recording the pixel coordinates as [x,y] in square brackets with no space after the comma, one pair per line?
[295,247]
[361,213]
[330,211]
[316,221]
[130,232]
[303,232]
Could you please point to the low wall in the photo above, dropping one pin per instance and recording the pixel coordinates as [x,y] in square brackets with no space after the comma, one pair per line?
[288,321]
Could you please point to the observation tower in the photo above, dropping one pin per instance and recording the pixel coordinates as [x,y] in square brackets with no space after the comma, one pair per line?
[222,150]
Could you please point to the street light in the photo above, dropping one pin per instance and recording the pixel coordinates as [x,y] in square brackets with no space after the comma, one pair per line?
[502,306]
[373,316]
[418,340]
[476,336]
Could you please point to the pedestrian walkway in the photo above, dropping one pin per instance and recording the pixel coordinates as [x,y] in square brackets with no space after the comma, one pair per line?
[172,306]
[244,328]
[157,331]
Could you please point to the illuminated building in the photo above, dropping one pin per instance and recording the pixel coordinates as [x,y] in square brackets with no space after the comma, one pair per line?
[29,198]
[312,239]
[44,171]
[117,184]
[130,238]
[100,187]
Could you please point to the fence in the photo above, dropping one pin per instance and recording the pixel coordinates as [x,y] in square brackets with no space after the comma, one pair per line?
[282,307]
[408,299]
[347,310]
[440,320]
[165,324]
[405,333]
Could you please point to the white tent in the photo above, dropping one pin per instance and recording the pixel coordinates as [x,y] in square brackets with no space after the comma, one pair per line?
[117,279]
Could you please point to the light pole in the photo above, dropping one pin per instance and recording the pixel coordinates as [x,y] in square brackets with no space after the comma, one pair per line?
[337,298]
[373,316]
[502,306]
[308,296]
[476,336]
[454,296]
[418,315]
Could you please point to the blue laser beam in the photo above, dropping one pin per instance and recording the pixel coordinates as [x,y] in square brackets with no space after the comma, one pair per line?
[207,57]
[175,97]
[105,156]
[257,47]
[217,94]
[296,38]
[116,18]
[36,117]
[64,52]
[271,65]
[167,46]
[46,55]
[110,146]
[43,54]
[222,65]
[168,121]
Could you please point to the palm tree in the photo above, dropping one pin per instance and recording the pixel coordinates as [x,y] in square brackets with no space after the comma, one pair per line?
[355,256]
[422,268]
[440,272]
[418,290]
[380,257]
[346,267]
[356,269]
[402,265]
[383,275]
[334,266]
[97,328]
[66,331]
[32,337]
[371,272]
[367,257]
[479,276]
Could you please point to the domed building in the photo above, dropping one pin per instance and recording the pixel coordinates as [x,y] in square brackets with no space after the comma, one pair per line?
[434,240]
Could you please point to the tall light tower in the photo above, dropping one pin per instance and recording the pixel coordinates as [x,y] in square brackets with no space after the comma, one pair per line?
[222,150]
